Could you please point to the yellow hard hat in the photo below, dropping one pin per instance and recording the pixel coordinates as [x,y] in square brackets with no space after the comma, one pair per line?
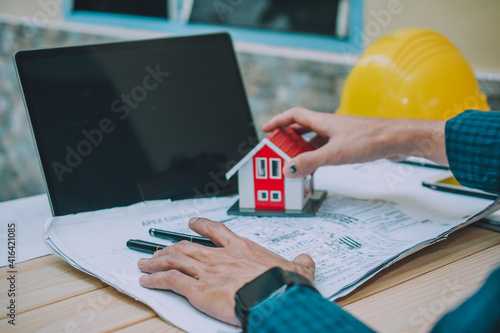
[411,73]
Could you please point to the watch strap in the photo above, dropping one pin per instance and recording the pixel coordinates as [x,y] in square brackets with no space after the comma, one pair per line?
[295,279]
[288,279]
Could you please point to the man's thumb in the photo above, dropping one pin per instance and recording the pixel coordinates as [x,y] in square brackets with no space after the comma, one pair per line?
[307,263]
[304,164]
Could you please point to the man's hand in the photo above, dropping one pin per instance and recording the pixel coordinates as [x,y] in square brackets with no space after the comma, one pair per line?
[210,277]
[344,139]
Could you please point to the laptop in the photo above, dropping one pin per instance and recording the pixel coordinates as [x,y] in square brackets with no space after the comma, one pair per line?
[120,123]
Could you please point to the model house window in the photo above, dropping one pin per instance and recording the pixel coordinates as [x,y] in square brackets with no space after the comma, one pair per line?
[275,168]
[261,168]
[262,196]
[275,196]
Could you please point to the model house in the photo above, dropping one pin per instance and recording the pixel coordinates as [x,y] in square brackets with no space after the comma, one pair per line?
[262,185]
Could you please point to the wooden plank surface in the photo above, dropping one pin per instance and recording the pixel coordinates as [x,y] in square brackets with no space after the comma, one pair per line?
[32,264]
[415,305]
[53,296]
[155,325]
[103,310]
[47,280]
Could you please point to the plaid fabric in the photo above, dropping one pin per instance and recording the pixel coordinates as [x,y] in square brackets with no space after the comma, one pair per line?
[473,149]
[301,309]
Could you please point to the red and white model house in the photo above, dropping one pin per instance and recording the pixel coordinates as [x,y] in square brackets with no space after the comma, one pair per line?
[262,185]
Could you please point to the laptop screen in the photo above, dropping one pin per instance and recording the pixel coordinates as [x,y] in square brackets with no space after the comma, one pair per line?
[120,123]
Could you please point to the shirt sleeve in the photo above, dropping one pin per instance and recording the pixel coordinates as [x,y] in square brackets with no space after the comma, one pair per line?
[473,149]
[301,309]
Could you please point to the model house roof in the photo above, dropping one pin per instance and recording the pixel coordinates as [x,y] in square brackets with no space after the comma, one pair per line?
[289,141]
[283,141]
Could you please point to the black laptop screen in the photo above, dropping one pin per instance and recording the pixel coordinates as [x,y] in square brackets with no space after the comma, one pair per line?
[120,123]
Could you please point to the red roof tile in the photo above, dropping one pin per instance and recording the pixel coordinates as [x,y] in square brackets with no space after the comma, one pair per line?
[289,141]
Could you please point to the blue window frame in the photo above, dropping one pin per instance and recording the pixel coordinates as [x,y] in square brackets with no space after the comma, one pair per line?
[353,43]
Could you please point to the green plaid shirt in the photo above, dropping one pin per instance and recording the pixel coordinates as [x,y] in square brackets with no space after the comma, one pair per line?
[300,309]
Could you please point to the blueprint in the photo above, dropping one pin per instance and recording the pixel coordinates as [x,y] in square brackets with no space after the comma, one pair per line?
[364,225]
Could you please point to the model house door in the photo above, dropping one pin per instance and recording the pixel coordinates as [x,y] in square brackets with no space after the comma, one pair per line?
[269,184]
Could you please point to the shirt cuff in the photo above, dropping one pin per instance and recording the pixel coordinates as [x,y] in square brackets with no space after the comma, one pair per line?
[301,309]
[473,149]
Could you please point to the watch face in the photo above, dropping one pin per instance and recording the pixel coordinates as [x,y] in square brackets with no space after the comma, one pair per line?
[261,288]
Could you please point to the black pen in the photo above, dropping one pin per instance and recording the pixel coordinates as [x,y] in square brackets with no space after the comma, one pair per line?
[143,246]
[426,165]
[176,236]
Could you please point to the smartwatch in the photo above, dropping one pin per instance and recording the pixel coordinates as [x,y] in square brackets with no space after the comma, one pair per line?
[270,284]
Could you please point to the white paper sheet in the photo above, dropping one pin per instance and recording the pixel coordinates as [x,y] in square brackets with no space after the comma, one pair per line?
[375,214]
[29,215]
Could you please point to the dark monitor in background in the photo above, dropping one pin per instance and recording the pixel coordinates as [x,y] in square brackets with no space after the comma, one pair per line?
[120,123]
[316,17]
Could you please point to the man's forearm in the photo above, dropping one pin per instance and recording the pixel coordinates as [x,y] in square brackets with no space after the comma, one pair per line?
[422,138]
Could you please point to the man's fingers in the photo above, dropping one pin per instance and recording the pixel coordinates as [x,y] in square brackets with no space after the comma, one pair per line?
[191,249]
[215,231]
[307,263]
[305,163]
[173,261]
[280,120]
[397,158]
[170,280]
[301,116]
[299,129]
[318,141]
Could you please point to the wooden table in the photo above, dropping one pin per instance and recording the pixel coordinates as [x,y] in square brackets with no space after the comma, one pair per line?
[409,296]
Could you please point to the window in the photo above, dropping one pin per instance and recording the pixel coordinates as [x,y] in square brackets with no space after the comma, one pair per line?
[275,196]
[152,8]
[326,25]
[275,172]
[318,17]
[261,168]
[262,196]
